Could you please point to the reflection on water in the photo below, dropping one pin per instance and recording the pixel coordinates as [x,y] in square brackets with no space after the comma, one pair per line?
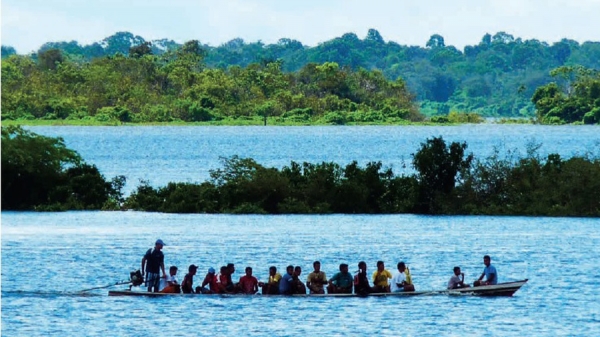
[48,258]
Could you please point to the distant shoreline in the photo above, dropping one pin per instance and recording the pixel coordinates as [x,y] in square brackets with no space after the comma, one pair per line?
[250,122]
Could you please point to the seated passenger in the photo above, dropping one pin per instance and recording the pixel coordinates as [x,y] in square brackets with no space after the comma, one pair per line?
[402,281]
[169,284]
[361,280]
[285,284]
[380,279]
[341,283]
[490,273]
[188,280]
[211,281]
[272,285]
[223,284]
[248,283]
[298,286]
[316,280]
[231,287]
[457,280]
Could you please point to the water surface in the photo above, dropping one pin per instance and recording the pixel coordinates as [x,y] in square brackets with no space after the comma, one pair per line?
[48,258]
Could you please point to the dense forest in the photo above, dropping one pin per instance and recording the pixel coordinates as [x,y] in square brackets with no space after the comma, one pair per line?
[346,79]
[40,173]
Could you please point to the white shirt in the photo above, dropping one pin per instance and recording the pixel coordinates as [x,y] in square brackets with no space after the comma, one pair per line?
[454,280]
[164,282]
[398,278]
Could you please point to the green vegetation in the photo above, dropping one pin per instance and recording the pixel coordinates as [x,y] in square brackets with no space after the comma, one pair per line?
[495,78]
[447,181]
[40,173]
[575,98]
[177,87]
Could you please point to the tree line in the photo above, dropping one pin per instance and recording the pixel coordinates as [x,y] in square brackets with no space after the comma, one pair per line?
[178,86]
[496,77]
[40,173]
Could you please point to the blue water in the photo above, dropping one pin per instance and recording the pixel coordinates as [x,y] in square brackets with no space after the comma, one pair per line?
[48,258]
[162,154]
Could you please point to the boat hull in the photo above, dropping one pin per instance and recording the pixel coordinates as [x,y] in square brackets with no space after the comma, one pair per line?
[501,289]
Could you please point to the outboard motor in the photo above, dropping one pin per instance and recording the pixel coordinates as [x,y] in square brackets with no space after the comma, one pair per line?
[136,278]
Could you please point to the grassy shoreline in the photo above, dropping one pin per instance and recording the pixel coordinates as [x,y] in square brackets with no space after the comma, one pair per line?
[231,122]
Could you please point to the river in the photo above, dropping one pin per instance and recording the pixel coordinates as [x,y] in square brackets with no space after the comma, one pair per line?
[49,258]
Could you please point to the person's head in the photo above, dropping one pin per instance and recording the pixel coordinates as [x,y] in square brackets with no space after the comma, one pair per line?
[272,270]
[456,271]
[231,268]
[362,267]
[248,271]
[159,244]
[298,270]
[173,271]
[317,266]
[211,271]
[290,269]
[344,268]
[487,260]
[401,267]
[380,266]
[192,269]
[224,270]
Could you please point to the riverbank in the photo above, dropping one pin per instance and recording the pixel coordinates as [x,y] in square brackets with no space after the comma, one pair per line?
[257,121]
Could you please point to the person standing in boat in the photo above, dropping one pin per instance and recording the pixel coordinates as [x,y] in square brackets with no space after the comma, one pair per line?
[285,284]
[316,280]
[153,263]
[248,283]
[187,285]
[169,284]
[402,281]
[489,272]
[457,280]
[380,279]
[341,283]
[272,285]
[361,280]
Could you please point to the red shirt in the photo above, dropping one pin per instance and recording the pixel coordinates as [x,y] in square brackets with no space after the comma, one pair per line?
[248,284]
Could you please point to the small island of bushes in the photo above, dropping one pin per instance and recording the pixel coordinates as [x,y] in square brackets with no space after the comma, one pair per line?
[40,173]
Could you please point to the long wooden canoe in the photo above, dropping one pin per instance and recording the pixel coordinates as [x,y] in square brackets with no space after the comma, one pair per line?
[500,289]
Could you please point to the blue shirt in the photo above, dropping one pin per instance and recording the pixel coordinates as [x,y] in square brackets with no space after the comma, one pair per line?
[341,280]
[488,271]
[285,284]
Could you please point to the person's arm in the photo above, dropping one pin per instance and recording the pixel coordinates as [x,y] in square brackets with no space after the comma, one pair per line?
[481,277]
[491,278]
[255,286]
[162,267]
[143,264]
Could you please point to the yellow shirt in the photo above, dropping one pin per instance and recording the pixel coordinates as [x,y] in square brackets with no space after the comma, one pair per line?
[274,279]
[380,279]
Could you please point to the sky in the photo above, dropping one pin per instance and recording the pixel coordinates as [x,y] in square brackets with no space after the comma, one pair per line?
[27,24]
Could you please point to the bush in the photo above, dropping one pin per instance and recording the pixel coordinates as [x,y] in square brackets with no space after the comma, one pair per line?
[335,118]
[440,119]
